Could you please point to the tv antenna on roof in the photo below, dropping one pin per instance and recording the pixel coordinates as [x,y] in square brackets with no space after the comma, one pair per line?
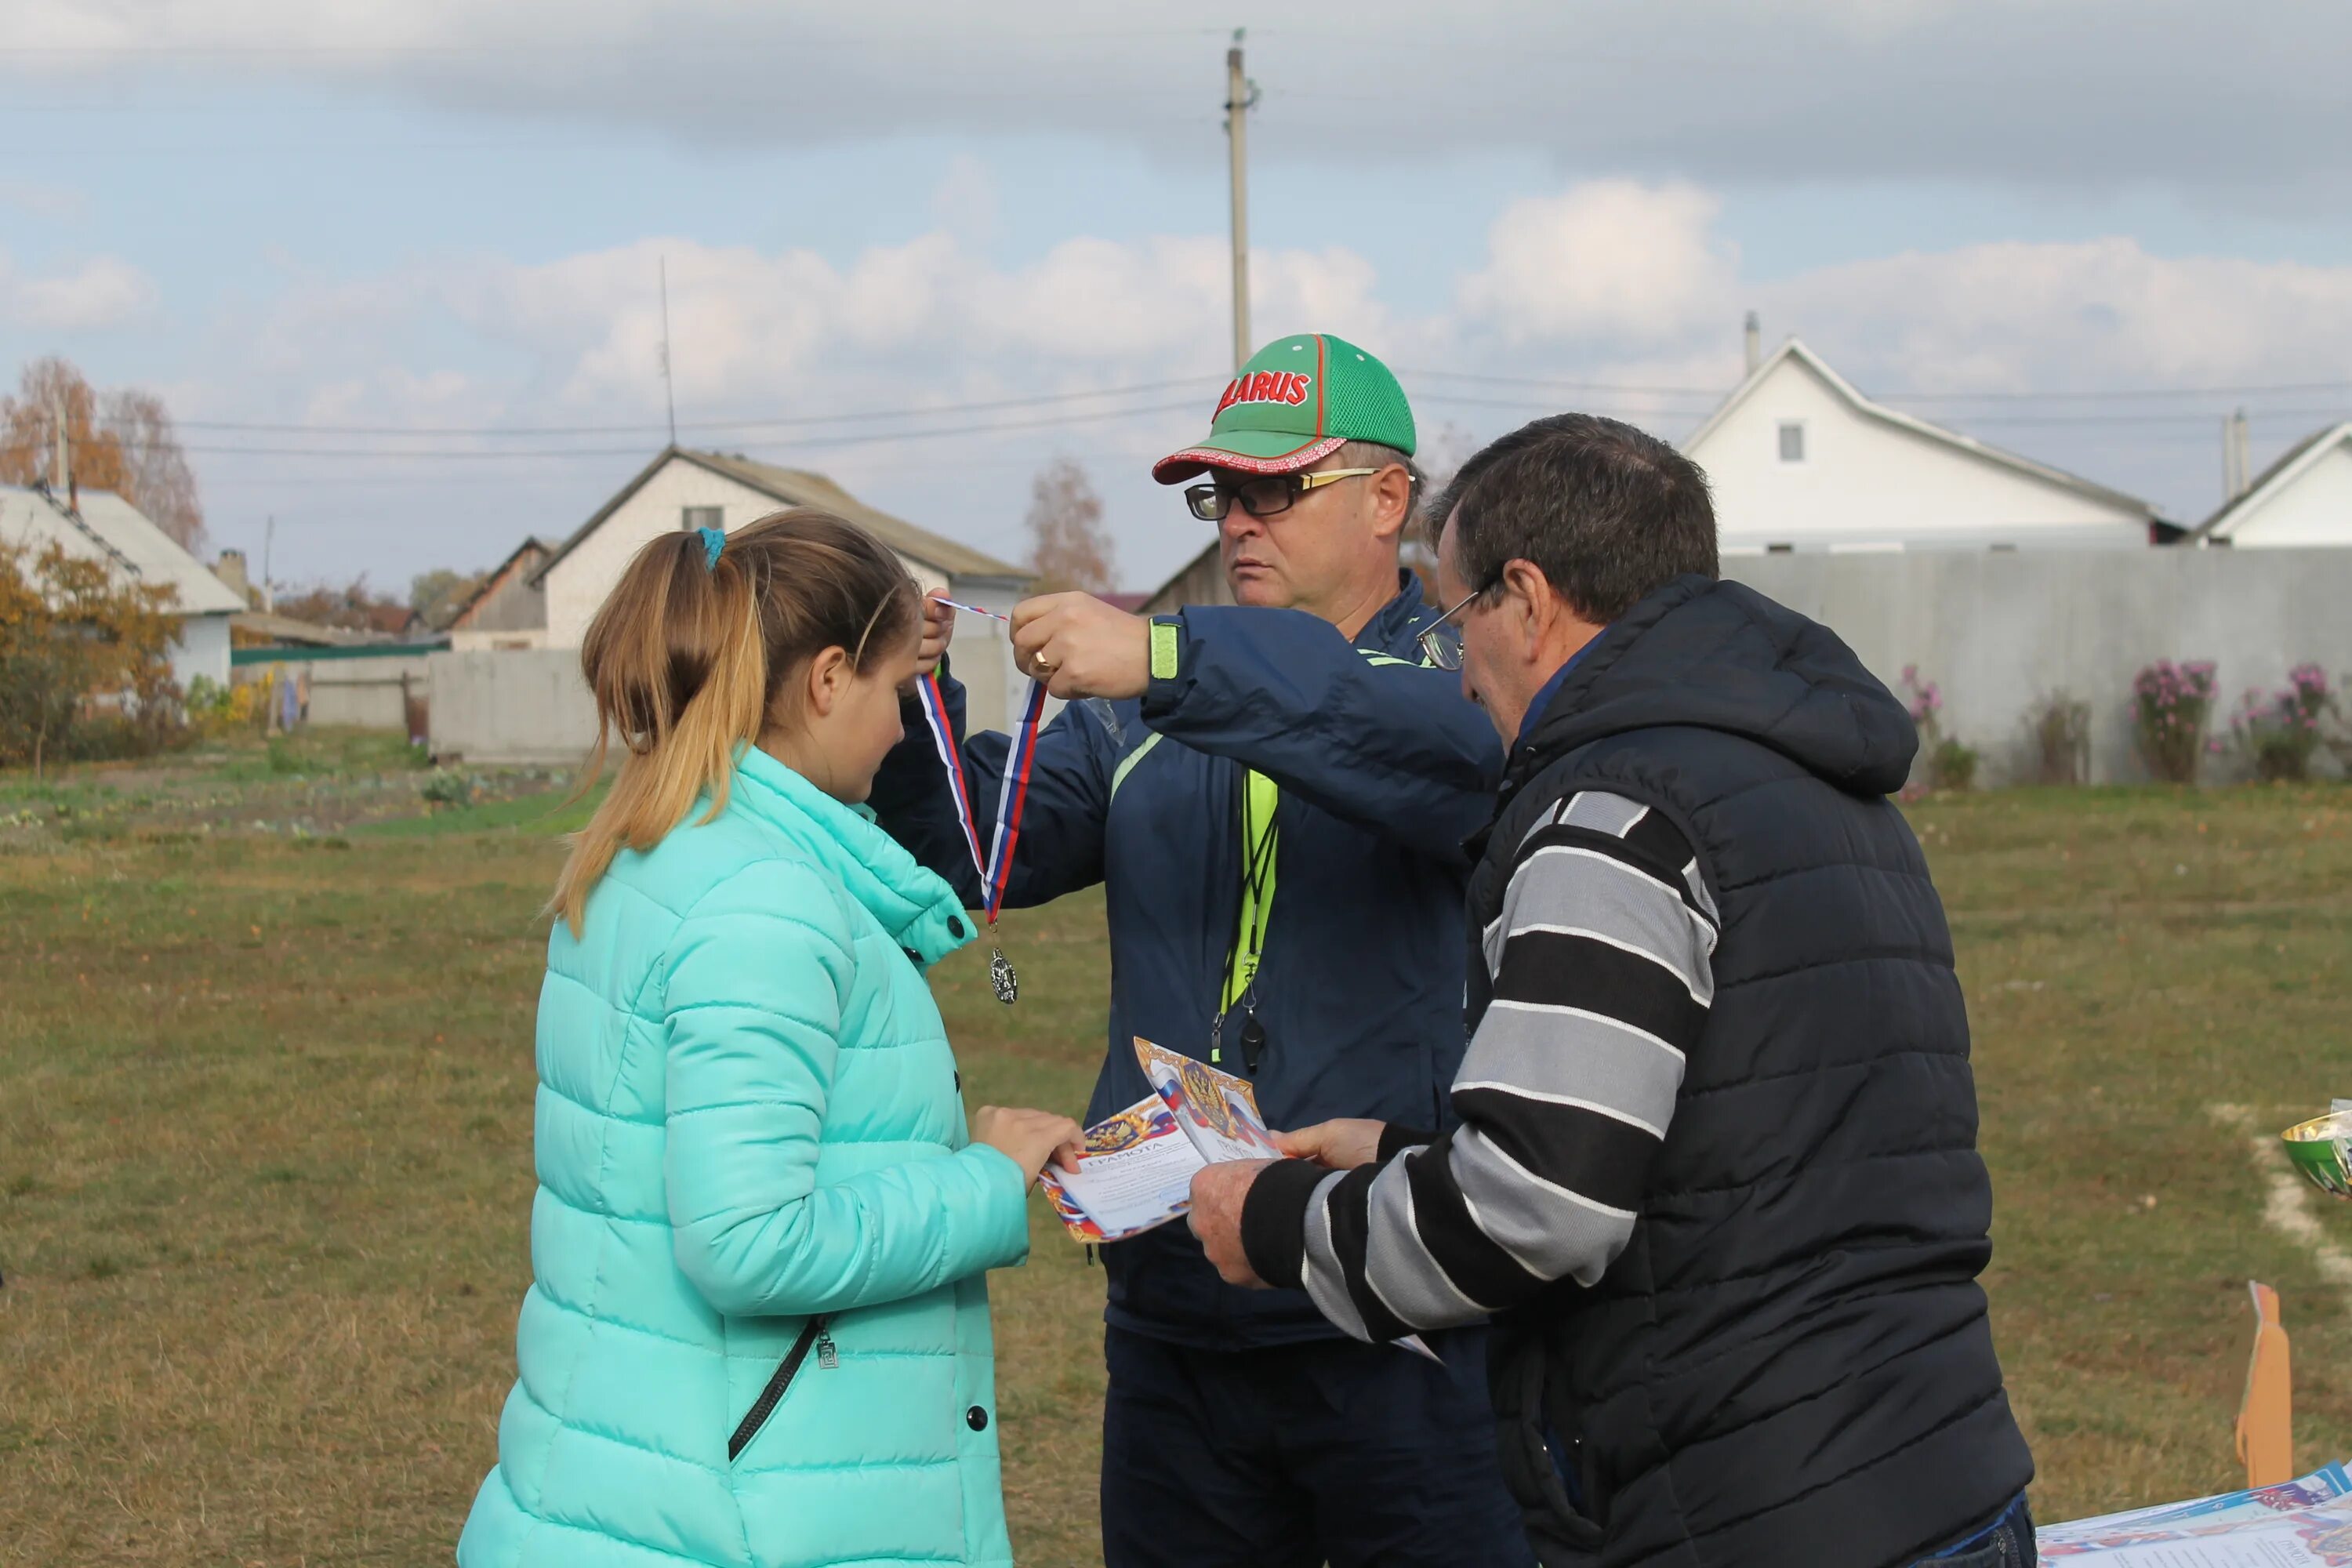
[669,392]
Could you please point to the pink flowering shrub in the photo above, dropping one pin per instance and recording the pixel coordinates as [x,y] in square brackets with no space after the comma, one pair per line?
[2170,705]
[2278,735]
[1950,763]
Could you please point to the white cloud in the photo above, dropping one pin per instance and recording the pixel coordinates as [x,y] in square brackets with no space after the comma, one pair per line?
[928,318]
[964,202]
[2019,317]
[1606,282]
[2042,93]
[1609,260]
[102,292]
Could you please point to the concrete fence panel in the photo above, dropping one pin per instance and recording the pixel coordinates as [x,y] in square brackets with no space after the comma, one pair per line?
[2002,632]
[523,705]
[1999,632]
[369,693]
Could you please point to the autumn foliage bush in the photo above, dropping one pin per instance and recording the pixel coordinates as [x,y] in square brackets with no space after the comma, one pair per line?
[84,662]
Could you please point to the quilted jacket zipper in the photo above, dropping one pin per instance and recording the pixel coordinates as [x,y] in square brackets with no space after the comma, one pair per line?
[813,1333]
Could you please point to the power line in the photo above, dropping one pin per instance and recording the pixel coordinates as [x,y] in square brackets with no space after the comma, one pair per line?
[473,454]
[1564,384]
[912,419]
[2280,389]
[216,151]
[778,423]
[620,49]
[1963,419]
[1137,389]
[2042,420]
[272,482]
[1568,385]
[1465,400]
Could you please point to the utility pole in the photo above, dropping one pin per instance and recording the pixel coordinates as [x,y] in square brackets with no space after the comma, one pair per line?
[670,393]
[268,538]
[1241,97]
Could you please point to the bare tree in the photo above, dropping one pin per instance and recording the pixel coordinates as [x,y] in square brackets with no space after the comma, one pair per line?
[157,477]
[353,606]
[1439,457]
[1442,455]
[28,429]
[1068,547]
[435,596]
[124,443]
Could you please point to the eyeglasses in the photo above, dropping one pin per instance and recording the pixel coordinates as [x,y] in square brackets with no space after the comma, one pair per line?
[1266,495]
[1441,642]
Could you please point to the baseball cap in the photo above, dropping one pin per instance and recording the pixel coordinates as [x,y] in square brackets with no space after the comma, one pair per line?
[1295,403]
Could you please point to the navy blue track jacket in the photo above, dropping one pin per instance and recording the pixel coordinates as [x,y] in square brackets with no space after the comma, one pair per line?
[1384,771]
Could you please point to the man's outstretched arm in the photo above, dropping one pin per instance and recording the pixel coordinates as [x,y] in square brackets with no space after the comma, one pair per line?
[1602,969]
[1377,741]
[1382,742]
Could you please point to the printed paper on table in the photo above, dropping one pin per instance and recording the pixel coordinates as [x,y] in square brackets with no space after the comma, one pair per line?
[2307,1521]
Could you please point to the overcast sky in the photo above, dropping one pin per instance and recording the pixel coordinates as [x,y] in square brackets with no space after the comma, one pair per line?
[2081,230]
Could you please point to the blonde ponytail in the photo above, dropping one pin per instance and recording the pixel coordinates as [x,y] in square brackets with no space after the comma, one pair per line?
[686,657]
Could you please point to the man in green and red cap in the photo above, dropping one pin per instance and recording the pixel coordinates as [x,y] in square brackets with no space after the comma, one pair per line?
[1274,793]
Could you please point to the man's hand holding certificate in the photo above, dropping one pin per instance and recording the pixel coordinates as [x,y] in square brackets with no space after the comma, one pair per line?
[1138,1168]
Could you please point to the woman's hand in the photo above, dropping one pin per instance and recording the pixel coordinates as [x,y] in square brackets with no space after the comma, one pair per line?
[1342,1146]
[1029,1138]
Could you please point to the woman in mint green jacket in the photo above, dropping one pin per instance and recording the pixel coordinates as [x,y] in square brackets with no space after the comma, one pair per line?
[756,1333]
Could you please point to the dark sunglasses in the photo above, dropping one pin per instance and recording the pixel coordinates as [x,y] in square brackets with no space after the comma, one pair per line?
[1266,495]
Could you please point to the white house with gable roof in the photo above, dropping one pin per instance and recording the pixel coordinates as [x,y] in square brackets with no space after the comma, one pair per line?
[1800,461]
[687,489]
[99,525]
[2304,499]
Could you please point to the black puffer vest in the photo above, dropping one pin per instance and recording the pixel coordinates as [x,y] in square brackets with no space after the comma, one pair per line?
[1790,1363]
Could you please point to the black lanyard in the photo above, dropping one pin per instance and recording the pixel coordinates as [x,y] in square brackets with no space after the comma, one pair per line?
[1260,843]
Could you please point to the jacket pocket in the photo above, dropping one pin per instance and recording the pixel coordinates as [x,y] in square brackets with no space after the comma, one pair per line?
[813,1336]
[1529,1422]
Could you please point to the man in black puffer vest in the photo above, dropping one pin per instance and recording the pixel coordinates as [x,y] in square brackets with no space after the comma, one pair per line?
[1716,1177]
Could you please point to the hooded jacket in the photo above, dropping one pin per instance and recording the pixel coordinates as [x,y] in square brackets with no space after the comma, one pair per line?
[1740,1319]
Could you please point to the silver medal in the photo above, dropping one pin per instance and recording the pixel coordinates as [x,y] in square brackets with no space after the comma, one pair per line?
[1001,975]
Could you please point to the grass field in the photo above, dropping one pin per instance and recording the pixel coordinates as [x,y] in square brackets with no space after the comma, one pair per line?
[265,1088]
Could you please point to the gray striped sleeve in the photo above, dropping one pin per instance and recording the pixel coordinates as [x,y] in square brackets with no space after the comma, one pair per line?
[1601,970]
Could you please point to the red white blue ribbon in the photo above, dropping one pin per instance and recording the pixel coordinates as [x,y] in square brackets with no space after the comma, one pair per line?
[995,864]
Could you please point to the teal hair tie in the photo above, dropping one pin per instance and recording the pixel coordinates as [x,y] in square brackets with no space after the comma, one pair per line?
[713,541]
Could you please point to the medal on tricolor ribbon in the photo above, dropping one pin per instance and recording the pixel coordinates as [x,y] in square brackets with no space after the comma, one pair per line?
[995,863]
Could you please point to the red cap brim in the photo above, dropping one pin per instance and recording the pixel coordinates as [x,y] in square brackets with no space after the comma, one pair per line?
[1178,466]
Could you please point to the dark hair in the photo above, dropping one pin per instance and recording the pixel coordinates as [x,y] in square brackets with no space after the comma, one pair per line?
[1608,514]
[688,653]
